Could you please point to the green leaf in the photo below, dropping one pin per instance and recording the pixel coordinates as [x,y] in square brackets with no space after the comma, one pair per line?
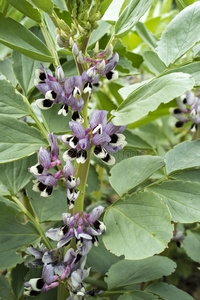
[56,123]
[12,102]
[179,36]
[183,156]
[5,289]
[167,291]
[191,244]
[189,175]
[153,63]
[146,218]
[24,68]
[18,140]
[137,295]
[13,235]
[14,175]
[193,69]
[182,198]
[100,259]
[26,9]
[128,272]
[133,171]
[124,67]
[50,208]
[98,33]
[17,37]
[136,139]
[146,35]
[17,279]
[148,97]
[130,16]
[113,11]
[93,182]
[7,70]
[45,5]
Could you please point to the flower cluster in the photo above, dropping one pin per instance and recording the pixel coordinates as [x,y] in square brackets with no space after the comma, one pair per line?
[69,91]
[68,269]
[188,111]
[105,139]
[45,181]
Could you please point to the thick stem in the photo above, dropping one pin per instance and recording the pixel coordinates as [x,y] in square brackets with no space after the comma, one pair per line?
[33,220]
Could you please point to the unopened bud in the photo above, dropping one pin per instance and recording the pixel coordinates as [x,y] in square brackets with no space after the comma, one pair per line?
[75,50]
[73,29]
[109,50]
[101,66]
[91,72]
[60,74]
[81,29]
[96,49]
[80,59]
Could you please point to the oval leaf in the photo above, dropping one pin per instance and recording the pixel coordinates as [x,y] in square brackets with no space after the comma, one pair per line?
[17,37]
[182,33]
[18,140]
[11,102]
[128,272]
[138,295]
[148,97]
[191,244]
[27,9]
[133,171]
[183,156]
[149,226]
[182,198]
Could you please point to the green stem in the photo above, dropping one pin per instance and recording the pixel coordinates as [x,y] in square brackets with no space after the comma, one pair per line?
[33,220]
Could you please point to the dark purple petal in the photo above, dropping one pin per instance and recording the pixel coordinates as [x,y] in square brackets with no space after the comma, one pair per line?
[100,139]
[77,129]
[98,117]
[84,144]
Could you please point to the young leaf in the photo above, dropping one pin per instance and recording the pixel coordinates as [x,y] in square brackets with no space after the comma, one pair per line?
[134,171]
[130,16]
[15,175]
[182,33]
[167,291]
[182,199]
[146,35]
[191,244]
[13,235]
[27,9]
[17,37]
[45,5]
[183,156]
[18,140]
[149,226]
[11,102]
[148,97]
[128,272]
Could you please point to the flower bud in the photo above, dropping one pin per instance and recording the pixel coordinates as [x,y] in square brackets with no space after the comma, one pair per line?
[101,66]
[80,58]
[75,49]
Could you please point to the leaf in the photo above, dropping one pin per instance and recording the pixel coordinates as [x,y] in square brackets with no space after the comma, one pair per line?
[133,171]
[149,96]
[183,156]
[5,289]
[189,175]
[17,37]
[14,175]
[167,291]
[17,279]
[153,63]
[18,140]
[182,198]
[56,123]
[24,69]
[13,235]
[93,182]
[136,140]
[148,222]
[191,244]
[130,16]
[146,35]
[98,33]
[7,70]
[50,208]
[12,102]
[26,9]
[100,259]
[137,295]
[113,11]
[193,69]
[45,5]
[128,272]
[179,36]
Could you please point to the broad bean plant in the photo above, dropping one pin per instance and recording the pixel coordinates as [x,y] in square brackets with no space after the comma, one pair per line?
[100,149]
